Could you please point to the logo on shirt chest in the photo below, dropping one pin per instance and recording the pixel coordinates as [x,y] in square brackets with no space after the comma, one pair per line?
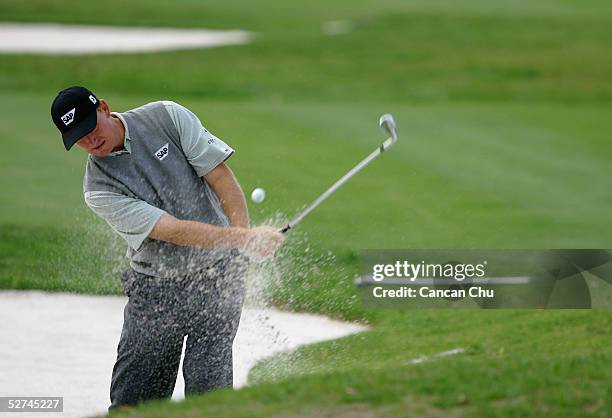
[162,152]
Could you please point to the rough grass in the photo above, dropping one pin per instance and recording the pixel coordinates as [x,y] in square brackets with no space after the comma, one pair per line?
[515,364]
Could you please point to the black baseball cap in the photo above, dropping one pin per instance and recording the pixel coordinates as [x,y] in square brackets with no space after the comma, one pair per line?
[74,113]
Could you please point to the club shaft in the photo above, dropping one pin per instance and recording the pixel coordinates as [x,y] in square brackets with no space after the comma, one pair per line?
[298,218]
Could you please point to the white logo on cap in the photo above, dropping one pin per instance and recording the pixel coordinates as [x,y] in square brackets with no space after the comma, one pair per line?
[162,152]
[93,99]
[68,118]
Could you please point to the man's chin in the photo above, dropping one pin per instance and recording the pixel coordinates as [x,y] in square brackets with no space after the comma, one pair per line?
[100,152]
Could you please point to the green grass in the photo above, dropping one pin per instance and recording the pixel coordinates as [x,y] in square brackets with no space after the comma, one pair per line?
[503,110]
[392,53]
[489,176]
[515,364]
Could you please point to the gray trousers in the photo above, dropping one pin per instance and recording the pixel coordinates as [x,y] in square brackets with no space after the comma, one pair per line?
[203,306]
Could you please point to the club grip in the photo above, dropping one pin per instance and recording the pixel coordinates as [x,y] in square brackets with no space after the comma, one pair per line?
[285,229]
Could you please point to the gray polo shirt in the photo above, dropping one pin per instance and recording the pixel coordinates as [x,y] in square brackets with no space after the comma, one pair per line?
[133,219]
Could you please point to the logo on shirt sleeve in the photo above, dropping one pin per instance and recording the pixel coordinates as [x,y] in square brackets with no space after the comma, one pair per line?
[162,152]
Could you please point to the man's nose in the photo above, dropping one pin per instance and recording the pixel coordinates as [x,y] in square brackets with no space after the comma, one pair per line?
[87,140]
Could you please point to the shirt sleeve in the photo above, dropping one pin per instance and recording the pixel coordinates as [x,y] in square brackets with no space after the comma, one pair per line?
[203,150]
[133,219]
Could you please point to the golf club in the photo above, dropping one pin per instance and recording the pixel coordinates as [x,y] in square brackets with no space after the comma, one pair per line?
[386,122]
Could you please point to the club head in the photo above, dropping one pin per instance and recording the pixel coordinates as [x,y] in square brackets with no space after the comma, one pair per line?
[387,122]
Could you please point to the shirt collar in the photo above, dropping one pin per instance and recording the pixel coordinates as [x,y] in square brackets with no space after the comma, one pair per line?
[126,140]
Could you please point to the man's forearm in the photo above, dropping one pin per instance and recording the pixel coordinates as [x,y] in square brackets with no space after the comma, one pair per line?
[234,205]
[226,187]
[262,241]
[198,234]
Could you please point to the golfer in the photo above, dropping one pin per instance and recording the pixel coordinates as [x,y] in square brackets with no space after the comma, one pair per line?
[160,180]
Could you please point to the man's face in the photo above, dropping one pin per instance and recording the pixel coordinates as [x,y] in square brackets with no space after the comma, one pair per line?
[106,136]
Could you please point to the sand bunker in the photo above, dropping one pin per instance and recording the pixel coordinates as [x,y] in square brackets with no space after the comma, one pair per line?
[77,39]
[58,344]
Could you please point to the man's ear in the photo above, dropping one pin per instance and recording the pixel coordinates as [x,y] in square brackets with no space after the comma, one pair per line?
[104,107]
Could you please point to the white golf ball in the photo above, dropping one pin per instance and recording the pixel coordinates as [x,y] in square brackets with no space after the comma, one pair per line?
[258,195]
